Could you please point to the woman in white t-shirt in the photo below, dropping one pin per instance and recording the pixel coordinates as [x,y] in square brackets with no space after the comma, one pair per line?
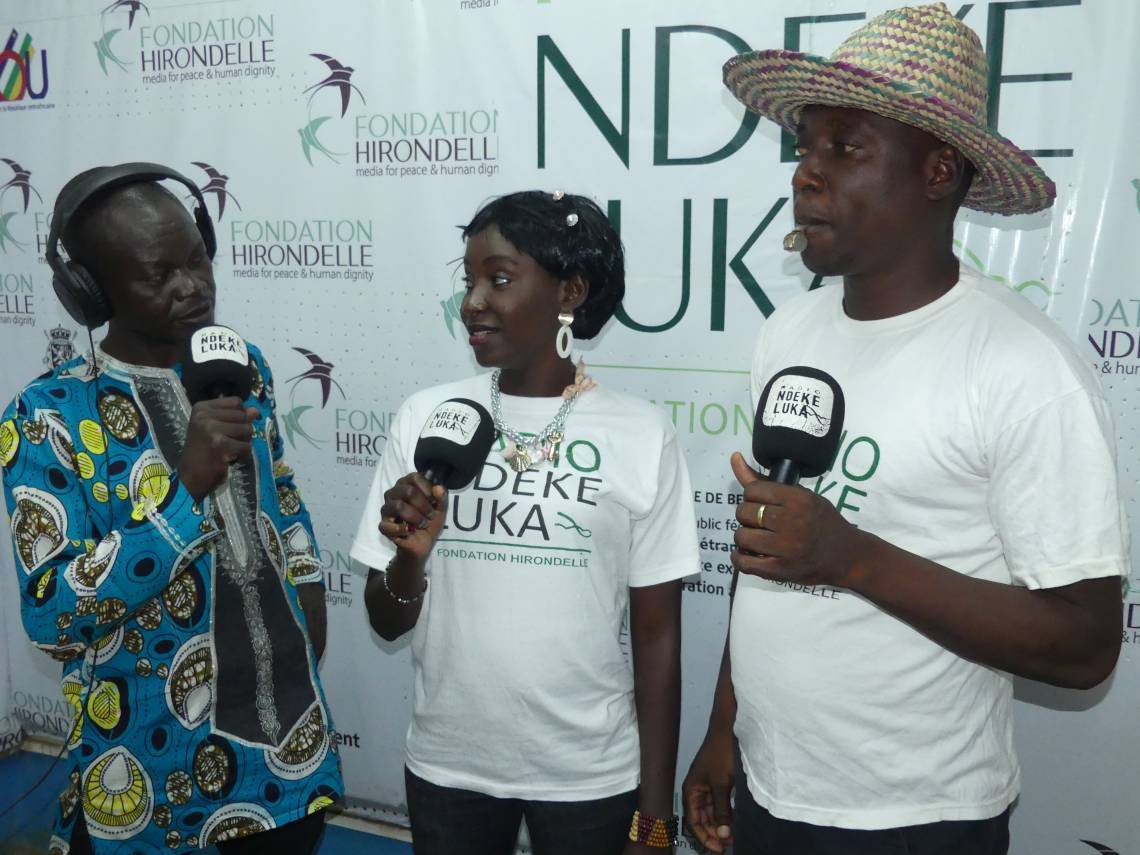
[525,703]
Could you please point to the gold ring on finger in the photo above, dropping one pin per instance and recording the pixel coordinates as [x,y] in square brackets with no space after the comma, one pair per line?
[760,516]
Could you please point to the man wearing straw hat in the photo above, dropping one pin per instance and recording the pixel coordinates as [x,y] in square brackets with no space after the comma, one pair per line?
[974,530]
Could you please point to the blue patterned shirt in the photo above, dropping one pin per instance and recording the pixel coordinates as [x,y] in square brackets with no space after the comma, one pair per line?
[199,715]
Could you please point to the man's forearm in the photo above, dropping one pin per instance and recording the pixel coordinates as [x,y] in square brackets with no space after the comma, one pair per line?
[1067,636]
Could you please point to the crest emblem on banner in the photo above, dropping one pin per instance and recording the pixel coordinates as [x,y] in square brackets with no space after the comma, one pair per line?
[59,349]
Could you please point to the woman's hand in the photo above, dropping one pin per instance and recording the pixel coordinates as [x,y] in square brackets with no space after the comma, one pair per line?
[413,514]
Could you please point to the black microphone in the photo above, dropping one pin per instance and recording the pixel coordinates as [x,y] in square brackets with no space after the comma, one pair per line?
[798,423]
[454,443]
[215,364]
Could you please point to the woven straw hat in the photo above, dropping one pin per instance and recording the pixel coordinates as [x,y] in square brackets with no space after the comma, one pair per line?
[918,65]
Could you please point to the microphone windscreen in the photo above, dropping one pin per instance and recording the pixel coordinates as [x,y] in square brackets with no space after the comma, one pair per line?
[216,365]
[455,442]
[799,417]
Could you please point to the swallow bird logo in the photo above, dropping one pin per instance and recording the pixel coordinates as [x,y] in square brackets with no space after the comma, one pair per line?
[450,308]
[22,184]
[132,6]
[339,78]
[309,141]
[6,236]
[103,50]
[19,181]
[217,186]
[105,54]
[292,422]
[1100,847]
[319,370]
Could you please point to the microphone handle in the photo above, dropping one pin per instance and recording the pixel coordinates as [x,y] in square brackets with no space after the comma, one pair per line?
[784,472]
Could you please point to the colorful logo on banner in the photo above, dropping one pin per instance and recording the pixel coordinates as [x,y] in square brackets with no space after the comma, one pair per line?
[19,77]
[357,435]
[336,83]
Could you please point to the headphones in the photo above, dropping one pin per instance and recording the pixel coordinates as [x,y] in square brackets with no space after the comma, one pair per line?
[76,288]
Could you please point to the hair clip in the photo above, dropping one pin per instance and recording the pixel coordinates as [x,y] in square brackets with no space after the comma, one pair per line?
[571,219]
[558,195]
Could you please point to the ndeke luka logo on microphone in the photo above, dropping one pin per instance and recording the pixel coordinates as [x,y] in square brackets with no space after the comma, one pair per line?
[218,343]
[800,403]
[452,421]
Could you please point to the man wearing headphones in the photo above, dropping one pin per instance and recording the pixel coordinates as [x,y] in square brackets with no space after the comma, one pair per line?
[164,554]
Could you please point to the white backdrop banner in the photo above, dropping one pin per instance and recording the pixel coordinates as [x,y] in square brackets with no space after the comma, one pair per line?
[339,145]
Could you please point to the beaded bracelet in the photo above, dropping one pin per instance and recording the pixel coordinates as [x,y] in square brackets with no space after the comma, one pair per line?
[653,831]
[403,601]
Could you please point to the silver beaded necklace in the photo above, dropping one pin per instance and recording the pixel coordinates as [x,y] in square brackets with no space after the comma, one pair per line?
[523,452]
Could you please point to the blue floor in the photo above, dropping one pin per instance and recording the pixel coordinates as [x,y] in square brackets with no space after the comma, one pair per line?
[26,825]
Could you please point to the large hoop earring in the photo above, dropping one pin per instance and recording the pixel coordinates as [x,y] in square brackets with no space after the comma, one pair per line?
[564,341]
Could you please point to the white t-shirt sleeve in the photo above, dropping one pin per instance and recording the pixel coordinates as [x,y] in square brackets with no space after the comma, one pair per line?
[370,547]
[663,542]
[1053,497]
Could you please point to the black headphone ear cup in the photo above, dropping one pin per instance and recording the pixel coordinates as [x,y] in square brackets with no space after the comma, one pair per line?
[81,295]
[206,230]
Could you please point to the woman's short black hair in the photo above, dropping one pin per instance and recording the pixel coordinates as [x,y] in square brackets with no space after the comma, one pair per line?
[536,224]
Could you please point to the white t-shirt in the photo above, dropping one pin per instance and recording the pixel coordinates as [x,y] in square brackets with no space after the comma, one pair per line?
[977,437]
[521,686]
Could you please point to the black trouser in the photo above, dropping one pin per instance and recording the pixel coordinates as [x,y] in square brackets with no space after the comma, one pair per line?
[757,832]
[449,821]
[299,837]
